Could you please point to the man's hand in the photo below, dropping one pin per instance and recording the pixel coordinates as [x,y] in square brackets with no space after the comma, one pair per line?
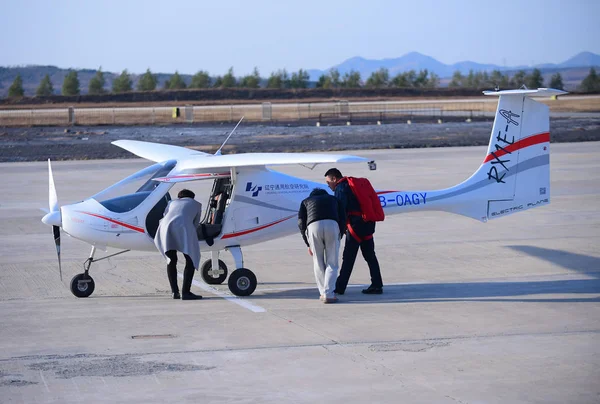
[310,252]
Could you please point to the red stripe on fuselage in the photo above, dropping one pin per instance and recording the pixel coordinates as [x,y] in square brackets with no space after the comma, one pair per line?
[521,144]
[242,233]
[138,229]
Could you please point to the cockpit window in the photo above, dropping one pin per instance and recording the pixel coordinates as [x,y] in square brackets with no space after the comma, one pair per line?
[128,193]
[162,172]
[125,203]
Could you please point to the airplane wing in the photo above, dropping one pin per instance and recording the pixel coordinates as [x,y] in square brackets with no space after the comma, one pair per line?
[157,152]
[265,159]
[193,169]
[194,165]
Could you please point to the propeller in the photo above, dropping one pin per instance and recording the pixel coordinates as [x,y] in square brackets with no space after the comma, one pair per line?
[53,218]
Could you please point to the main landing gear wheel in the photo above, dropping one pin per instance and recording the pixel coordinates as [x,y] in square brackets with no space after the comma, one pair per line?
[82,285]
[242,282]
[209,276]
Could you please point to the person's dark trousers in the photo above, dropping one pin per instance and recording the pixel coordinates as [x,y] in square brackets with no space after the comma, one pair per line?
[188,275]
[172,271]
[351,247]
[188,272]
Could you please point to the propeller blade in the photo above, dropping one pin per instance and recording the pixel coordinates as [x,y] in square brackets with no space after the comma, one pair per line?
[56,232]
[52,197]
[53,217]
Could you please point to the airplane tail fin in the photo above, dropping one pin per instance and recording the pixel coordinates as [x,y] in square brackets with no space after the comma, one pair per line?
[515,174]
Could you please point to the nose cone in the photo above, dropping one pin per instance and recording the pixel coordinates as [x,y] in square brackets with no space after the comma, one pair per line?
[53,219]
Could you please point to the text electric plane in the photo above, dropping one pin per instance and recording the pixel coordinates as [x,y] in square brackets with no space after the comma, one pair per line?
[250,203]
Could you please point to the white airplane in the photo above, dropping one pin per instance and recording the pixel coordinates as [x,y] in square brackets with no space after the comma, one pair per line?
[250,203]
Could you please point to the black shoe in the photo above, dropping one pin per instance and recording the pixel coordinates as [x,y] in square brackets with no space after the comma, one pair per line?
[190,296]
[337,292]
[176,295]
[372,290]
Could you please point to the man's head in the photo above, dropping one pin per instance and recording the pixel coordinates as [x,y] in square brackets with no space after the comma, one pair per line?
[332,176]
[186,193]
[318,191]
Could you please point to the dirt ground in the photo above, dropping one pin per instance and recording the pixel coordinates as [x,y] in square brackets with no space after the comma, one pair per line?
[82,143]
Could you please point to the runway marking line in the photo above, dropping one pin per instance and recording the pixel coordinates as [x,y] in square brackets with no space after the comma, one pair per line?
[233,299]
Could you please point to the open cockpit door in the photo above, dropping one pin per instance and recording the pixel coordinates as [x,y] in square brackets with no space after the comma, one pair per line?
[214,216]
[220,196]
[212,223]
[218,200]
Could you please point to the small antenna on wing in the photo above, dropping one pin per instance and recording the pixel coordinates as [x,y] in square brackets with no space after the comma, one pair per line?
[218,152]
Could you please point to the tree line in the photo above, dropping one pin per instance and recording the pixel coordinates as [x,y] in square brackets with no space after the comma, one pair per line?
[300,79]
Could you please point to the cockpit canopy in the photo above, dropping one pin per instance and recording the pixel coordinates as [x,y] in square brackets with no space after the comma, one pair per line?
[130,192]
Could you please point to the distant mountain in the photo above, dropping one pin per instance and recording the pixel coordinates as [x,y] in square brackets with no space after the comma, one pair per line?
[417,61]
[572,71]
[583,59]
[413,60]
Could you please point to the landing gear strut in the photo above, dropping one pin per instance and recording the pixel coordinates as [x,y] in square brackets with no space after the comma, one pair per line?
[83,285]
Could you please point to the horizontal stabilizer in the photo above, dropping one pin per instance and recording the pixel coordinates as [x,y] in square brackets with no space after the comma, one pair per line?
[540,92]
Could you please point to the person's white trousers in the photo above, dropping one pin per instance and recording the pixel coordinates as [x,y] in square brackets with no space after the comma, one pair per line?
[324,241]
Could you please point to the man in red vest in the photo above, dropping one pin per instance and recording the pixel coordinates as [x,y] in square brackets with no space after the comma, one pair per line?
[359,234]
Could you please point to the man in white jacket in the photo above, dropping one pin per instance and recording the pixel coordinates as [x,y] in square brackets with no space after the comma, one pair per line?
[177,232]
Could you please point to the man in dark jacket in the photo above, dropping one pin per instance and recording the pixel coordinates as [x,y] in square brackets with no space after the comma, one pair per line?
[359,234]
[322,221]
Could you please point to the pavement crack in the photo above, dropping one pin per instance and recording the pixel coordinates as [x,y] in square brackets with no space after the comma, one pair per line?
[457,400]
[434,341]
[333,341]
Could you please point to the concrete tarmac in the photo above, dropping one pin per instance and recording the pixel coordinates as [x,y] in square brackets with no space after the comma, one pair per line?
[502,312]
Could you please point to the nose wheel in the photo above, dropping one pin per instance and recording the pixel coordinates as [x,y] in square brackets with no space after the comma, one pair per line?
[82,285]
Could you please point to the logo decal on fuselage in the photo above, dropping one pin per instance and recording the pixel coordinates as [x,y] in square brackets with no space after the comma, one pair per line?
[254,189]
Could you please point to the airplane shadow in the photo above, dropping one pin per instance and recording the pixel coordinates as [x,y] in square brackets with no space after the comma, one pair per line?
[581,263]
[161,297]
[468,291]
[284,283]
[509,291]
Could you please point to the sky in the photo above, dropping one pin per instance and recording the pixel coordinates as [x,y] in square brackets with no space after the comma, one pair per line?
[210,35]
